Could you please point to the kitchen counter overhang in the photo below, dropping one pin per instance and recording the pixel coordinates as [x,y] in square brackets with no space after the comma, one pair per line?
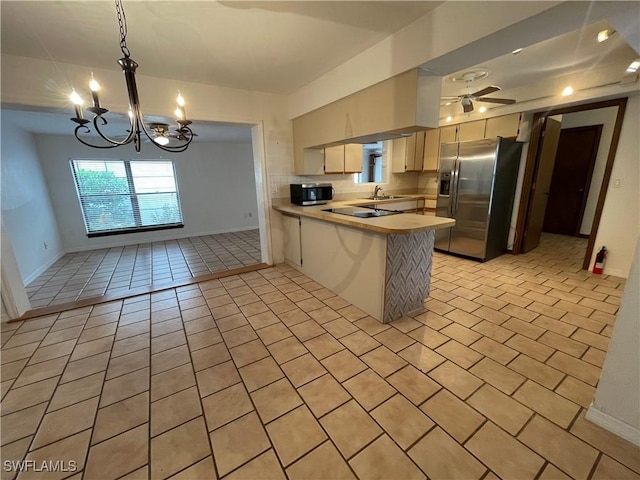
[382,265]
[389,224]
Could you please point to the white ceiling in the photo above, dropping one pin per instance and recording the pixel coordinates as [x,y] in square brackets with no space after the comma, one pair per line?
[268,46]
[545,68]
[275,46]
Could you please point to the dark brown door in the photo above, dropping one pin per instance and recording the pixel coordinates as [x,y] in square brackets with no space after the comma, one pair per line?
[540,187]
[575,158]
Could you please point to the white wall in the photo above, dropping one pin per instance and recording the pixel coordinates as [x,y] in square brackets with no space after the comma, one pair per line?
[620,223]
[215,181]
[27,213]
[607,118]
[617,402]
[41,83]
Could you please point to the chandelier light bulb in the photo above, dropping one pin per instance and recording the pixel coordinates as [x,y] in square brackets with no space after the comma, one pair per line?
[178,113]
[161,140]
[180,99]
[604,35]
[77,103]
[75,98]
[567,91]
[93,84]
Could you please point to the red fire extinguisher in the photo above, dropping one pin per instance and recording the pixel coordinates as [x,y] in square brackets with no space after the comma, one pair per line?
[601,257]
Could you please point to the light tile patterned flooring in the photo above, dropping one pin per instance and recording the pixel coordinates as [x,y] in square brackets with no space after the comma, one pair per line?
[119,269]
[269,375]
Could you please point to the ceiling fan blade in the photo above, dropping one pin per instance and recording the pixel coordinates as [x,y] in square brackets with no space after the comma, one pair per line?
[485,91]
[504,101]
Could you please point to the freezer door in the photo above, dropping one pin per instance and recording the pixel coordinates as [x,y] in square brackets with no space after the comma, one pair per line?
[446,180]
[475,170]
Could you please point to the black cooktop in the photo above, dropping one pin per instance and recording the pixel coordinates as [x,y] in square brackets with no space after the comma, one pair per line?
[361,212]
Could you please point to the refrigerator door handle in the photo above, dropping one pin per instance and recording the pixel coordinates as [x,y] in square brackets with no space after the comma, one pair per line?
[455,184]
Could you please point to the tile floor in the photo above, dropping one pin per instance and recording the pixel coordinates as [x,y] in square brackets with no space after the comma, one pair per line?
[269,375]
[116,270]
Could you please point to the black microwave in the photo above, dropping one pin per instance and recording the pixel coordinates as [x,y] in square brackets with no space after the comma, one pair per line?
[311,193]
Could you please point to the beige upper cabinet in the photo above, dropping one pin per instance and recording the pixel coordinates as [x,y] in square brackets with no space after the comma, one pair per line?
[507,126]
[343,159]
[449,134]
[431,158]
[471,130]
[334,159]
[353,158]
[407,153]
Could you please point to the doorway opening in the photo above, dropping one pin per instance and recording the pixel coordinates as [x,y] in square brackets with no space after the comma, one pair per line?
[571,180]
[559,193]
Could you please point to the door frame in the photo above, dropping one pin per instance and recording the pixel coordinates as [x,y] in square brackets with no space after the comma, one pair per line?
[537,131]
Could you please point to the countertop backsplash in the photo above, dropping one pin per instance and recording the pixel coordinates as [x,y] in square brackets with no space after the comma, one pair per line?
[401,183]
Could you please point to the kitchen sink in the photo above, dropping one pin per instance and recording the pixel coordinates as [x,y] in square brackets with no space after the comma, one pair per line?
[362,212]
[384,197]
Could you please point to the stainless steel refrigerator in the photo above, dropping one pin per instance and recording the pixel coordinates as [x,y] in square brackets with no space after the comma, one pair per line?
[476,187]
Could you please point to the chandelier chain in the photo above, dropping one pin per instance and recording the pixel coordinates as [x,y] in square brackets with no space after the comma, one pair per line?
[122,22]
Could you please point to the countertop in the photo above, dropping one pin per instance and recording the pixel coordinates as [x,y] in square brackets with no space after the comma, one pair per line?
[402,223]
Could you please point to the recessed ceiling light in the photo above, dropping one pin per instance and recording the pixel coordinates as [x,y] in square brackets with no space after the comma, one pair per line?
[448,103]
[482,109]
[604,35]
[567,91]
[633,66]
[517,51]
[449,118]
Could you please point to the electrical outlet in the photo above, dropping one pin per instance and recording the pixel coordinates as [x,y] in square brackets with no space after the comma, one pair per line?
[617,183]
[274,188]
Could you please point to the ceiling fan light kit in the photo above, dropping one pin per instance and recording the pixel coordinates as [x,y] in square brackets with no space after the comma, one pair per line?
[467,99]
[158,133]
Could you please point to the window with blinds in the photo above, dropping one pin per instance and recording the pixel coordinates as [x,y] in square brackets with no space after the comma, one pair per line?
[123,196]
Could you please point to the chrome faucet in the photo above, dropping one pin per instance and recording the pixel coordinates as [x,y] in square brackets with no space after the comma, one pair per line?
[376,190]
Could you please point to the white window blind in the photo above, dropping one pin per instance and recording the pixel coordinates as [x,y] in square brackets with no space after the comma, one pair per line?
[122,196]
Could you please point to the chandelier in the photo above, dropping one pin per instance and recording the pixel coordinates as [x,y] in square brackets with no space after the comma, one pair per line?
[158,133]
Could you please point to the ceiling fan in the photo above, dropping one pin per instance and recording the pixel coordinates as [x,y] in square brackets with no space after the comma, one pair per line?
[161,134]
[468,98]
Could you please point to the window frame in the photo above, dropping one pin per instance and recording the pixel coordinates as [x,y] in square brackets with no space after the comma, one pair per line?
[132,195]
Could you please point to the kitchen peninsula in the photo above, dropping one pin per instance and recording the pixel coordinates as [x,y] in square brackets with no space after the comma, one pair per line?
[380,263]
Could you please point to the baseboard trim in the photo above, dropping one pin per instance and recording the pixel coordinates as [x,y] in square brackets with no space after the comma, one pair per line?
[43,268]
[614,425]
[160,238]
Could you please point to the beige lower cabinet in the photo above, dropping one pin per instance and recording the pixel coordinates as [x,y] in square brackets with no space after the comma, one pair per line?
[507,126]
[292,240]
[343,159]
